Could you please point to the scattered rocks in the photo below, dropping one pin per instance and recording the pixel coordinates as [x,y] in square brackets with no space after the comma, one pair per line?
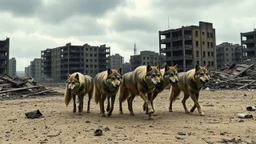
[181,133]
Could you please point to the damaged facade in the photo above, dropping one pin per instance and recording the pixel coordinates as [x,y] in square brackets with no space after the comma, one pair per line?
[248,43]
[4,56]
[58,62]
[189,45]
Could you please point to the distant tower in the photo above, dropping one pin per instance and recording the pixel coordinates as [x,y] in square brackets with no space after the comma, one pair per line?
[135,49]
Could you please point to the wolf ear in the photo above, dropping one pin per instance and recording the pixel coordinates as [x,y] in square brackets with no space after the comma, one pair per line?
[166,68]
[197,67]
[109,71]
[68,75]
[175,66]
[149,68]
[207,66]
[158,67]
[77,76]
[119,71]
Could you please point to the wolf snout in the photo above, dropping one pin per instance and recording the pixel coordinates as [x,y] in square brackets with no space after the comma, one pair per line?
[69,89]
[206,80]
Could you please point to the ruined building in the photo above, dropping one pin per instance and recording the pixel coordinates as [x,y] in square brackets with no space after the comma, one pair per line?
[58,62]
[227,54]
[189,45]
[248,44]
[4,56]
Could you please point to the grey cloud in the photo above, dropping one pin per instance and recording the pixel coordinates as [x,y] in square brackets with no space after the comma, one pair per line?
[122,23]
[20,7]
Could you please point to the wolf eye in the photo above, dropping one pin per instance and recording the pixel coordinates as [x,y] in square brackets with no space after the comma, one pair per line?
[201,74]
[113,78]
[118,78]
[171,75]
[153,75]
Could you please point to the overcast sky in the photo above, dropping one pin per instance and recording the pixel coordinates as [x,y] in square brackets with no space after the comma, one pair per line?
[34,25]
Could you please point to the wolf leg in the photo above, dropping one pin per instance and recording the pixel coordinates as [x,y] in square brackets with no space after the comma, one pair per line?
[193,97]
[74,103]
[144,97]
[102,110]
[112,105]
[186,96]
[123,94]
[130,100]
[81,103]
[175,91]
[89,101]
[154,96]
[108,105]
[194,107]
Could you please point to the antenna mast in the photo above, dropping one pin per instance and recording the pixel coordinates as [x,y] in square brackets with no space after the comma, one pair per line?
[135,49]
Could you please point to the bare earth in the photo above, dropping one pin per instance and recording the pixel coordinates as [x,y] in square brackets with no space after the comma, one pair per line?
[219,125]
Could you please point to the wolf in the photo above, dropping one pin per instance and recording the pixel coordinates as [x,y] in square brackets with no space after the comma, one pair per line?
[190,83]
[80,85]
[140,81]
[106,86]
[169,74]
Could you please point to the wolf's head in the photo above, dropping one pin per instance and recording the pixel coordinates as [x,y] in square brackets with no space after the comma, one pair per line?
[153,74]
[170,72]
[202,74]
[72,82]
[114,77]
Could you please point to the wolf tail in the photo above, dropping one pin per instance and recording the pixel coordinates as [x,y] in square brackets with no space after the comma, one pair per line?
[67,97]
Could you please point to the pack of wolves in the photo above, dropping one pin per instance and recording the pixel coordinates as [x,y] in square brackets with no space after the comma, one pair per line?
[145,81]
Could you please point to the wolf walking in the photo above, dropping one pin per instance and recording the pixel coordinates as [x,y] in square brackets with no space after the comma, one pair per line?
[169,74]
[190,83]
[106,86]
[141,81]
[80,85]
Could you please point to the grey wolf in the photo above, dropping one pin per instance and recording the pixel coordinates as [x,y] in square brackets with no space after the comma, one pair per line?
[80,85]
[190,83]
[106,86]
[141,81]
[169,74]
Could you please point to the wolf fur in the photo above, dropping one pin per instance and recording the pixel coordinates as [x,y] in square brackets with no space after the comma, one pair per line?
[80,85]
[190,83]
[141,81]
[169,74]
[106,86]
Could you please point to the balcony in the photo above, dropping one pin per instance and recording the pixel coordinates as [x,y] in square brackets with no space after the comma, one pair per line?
[188,47]
[176,38]
[167,40]
[177,48]
[164,50]
[188,37]
[249,41]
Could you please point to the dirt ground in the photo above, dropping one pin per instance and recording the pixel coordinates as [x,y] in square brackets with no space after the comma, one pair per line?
[219,125]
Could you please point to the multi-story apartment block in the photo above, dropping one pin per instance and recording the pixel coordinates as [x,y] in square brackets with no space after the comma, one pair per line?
[58,62]
[116,61]
[189,45]
[28,70]
[228,53]
[145,58]
[248,44]
[36,69]
[12,67]
[4,56]
[126,67]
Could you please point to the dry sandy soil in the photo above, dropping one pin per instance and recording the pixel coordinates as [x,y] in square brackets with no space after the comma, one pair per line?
[60,125]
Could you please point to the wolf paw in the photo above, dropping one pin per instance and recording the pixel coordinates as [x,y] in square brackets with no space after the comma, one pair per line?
[103,115]
[109,114]
[187,112]
[155,114]
[88,111]
[132,114]
[202,113]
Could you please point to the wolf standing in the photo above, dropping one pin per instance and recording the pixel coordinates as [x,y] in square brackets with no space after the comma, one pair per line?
[141,81]
[190,83]
[106,86]
[80,85]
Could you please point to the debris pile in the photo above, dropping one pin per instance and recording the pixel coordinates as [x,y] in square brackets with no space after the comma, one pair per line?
[22,87]
[236,76]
